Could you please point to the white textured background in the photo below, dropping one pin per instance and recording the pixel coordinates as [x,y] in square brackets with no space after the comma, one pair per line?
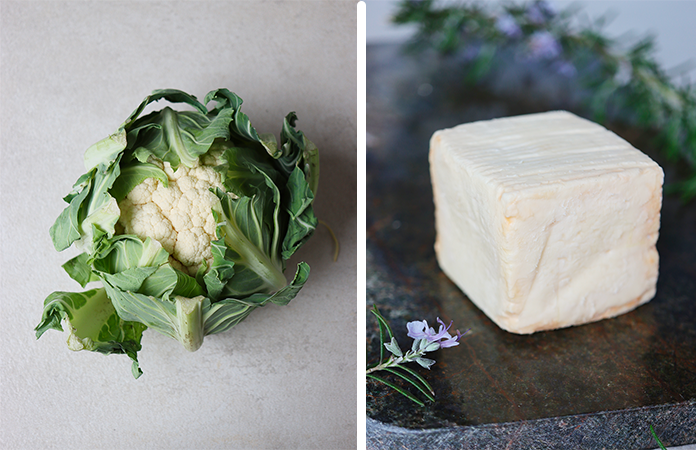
[70,73]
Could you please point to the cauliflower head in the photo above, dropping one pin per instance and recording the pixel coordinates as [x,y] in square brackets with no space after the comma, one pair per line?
[178,216]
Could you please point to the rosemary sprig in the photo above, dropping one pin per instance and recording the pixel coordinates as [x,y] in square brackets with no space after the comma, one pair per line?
[425,340]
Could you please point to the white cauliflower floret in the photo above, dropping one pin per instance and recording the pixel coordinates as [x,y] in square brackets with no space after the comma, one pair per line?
[179,216]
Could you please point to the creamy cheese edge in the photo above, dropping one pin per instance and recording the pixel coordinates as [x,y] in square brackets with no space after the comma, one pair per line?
[546,220]
[515,152]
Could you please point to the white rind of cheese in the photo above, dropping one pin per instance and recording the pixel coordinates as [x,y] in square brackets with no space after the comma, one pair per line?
[546,220]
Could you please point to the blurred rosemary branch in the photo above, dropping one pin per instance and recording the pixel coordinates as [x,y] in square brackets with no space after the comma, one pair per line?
[621,80]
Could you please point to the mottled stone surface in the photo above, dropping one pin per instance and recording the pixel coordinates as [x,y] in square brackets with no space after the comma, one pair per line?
[626,429]
[599,385]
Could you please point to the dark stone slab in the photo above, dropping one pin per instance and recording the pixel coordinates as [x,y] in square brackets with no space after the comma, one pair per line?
[599,385]
[605,430]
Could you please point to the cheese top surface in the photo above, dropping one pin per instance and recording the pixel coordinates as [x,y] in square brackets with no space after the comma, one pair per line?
[539,149]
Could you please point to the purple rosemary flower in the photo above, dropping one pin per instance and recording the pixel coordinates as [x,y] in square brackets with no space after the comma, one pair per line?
[542,45]
[420,330]
[566,68]
[540,12]
[507,25]
[471,51]
[547,8]
[442,333]
[451,341]
[416,329]
[535,16]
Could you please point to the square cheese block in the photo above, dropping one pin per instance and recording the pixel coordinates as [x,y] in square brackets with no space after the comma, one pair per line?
[545,220]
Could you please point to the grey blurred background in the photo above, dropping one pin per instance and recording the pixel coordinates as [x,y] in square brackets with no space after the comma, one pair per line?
[671,21]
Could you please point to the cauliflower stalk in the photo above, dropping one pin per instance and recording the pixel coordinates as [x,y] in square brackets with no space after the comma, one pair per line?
[187,219]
